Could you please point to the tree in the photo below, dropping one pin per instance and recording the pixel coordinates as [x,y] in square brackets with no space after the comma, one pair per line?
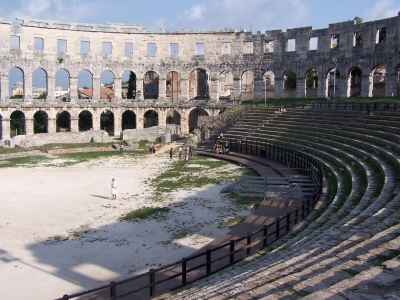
[40,122]
[290,78]
[312,77]
[42,95]
[131,86]
[357,20]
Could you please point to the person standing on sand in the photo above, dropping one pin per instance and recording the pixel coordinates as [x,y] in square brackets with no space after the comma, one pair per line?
[170,153]
[113,189]
[151,148]
[180,152]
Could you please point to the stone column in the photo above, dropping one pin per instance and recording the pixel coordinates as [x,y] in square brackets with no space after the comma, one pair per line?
[96,88]
[27,88]
[184,89]
[4,94]
[214,89]
[96,122]
[185,125]
[258,89]
[162,118]
[29,126]
[162,89]
[345,87]
[117,125]
[5,129]
[74,125]
[117,89]
[367,82]
[300,87]
[237,91]
[73,88]
[278,90]
[322,91]
[51,87]
[139,89]
[51,125]
[139,117]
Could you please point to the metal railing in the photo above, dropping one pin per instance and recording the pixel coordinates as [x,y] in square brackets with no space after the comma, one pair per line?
[178,274]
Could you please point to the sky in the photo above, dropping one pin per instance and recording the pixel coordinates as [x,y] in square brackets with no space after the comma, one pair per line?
[251,15]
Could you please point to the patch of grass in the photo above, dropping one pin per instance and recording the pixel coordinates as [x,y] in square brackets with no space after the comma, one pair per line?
[231,222]
[13,150]
[143,213]
[26,161]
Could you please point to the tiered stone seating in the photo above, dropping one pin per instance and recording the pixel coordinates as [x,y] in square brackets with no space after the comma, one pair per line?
[349,247]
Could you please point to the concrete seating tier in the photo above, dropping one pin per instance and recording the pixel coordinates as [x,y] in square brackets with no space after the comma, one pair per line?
[349,247]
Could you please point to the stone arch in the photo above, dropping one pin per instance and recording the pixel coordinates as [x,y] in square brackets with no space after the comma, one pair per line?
[311,83]
[39,84]
[63,121]
[16,84]
[151,85]
[194,116]
[128,85]
[289,83]
[40,122]
[128,120]
[378,73]
[107,85]
[331,83]
[62,85]
[355,82]
[247,82]
[268,84]
[85,84]
[85,120]
[107,121]
[199,86]
[17,122]
[173,86]
[226,85]
[173,117]
[150,119]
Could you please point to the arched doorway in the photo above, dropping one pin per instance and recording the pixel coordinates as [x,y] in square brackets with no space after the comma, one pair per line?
[107,121]
[150,119]
[62,86]
[355,74]
[85,85]
[128,120]
[128,85]
[333,84]
[247,85]
[173,86]
[40,122]
[289,84]
[106,85]
[311,83]
[150,85]
[194,116]
[199,85]
[39,84]
[226,85]
[173,117]
[268,84]
[379,82]
[63,121]
[16,84]
[85,120]
[17,123]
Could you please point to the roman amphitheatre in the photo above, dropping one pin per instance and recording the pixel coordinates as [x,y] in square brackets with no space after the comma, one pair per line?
[305,205]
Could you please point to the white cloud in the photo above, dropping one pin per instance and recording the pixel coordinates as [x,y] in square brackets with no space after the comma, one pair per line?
[194,13]
[381,10]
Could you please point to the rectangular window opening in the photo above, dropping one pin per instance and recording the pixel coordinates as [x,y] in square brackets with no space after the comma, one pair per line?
[151,49]
[128,48]
[106,47]
[85,47]
[335,41]
[313,45]
[358,38]
[291,45]
[381,35]
[248,47]
[173,49]
[14,42]
[269,46]
[226,48]
[38,44]
[200,49]
[61,45]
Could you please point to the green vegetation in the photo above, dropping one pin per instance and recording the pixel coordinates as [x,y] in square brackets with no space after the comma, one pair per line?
[27,161]
[232,222]
[143,213]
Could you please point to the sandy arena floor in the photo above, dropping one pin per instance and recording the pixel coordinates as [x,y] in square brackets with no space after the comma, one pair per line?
[60,234]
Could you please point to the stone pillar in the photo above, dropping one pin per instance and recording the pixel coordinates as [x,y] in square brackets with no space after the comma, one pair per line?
[139,89]
[73,88]
[322,91]
[29,126]
[390,85]
[300,87]
[4,94]
[185,125]
[184,89]
[96,88]
[237,91]
[96,122]
[258,89]
[345,87]
[74,125]
[27,88]
[51,87]
[5,129]
[117,125]
[117,88]
[278,91]
[162,118]
[367,82]
[214,89]
[162,89]
[51,125]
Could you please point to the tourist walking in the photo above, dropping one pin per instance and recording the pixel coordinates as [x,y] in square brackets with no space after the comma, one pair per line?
[190,151]
[154,148]
[114,192]
[180,152]
[170,153]
[186,159]
[151,148]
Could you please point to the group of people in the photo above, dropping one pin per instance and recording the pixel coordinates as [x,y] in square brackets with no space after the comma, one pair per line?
[188,152]
[152,148]
[221,146]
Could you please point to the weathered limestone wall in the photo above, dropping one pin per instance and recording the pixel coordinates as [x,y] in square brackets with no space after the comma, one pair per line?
[153,134]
